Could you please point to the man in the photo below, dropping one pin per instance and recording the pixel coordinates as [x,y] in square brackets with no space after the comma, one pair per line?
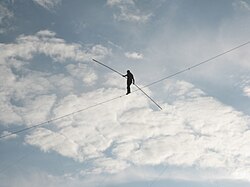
[130,80]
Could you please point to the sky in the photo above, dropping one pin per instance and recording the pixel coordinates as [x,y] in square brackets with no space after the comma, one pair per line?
[200,138]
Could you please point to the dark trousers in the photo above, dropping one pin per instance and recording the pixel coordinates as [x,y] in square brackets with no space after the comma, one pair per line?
[128,87]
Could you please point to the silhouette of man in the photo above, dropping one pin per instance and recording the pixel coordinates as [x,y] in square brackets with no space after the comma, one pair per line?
[130,80]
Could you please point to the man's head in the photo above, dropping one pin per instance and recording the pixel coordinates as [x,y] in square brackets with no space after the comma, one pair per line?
[128,71]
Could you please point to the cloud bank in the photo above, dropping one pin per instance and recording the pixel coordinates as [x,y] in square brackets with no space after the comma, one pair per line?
[44,76]
[31,84]
[195,130]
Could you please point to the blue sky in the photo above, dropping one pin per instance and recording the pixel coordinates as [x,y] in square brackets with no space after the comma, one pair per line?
[199,139]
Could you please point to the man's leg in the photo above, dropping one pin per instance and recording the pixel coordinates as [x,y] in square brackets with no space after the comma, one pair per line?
[128,88]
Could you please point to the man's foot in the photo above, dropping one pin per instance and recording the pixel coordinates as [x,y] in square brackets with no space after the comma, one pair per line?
[127,93]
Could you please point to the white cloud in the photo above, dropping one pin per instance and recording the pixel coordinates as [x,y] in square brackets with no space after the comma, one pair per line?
[246,91]
[46,33]
[86,129]
[29,90]
[109,165]
[45,42]
[55,141]
[183,89]
[9,115]
[62,83]
[36,110]
[134,55]
[82,72]
[48,4]
[128,11]
[114,80]
[195,130]
[99,51]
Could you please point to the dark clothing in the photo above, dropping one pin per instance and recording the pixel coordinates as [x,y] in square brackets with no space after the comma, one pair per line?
[130,80]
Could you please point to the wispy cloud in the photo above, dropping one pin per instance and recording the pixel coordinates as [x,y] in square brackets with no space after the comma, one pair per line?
[5,16]
[128,11]
[244,85]
[48,4]
[8,135]
[118,2]
[242,5]
[5,13]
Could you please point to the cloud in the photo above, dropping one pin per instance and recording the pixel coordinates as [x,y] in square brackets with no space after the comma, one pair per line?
[46,33]
[134,55]
[119,2]
[8,135]
[244,85]
[86,129]
[127,11]
[5,17]
[183,90]
[30,87]
[48,4]
[36,110]
[108,165]
[113,80]
[139,176]
[195,130]
[9,116]
[50,140]
[242,5]
[246,91]
[82,72]
[45,42]
[5,13]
